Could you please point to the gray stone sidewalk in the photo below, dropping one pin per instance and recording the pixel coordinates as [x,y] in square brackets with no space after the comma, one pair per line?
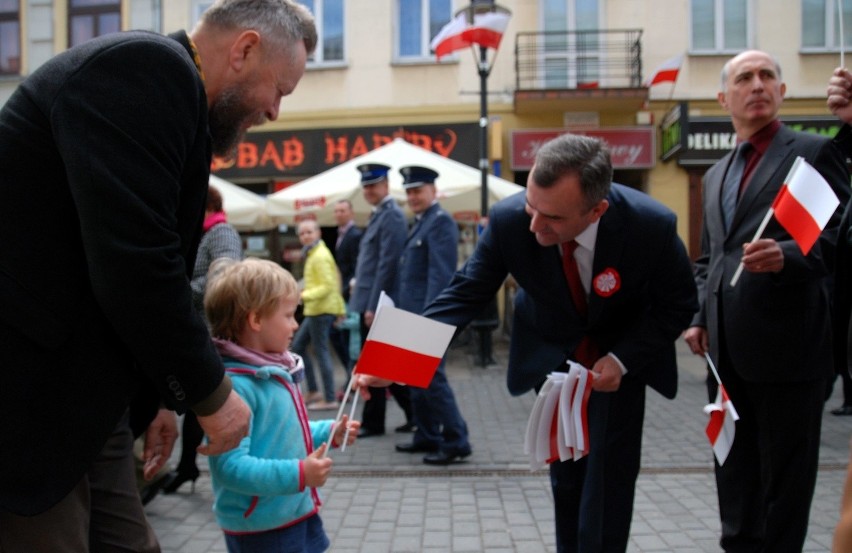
[378,500]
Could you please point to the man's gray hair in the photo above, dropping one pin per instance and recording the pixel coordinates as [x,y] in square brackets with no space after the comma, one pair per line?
[281,22]
[583,156]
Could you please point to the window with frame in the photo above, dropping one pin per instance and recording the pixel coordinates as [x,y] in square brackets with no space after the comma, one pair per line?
[88,19]
[720,25]
[821,26]
[328,15]
[10,37]
[418,21]
[571,59]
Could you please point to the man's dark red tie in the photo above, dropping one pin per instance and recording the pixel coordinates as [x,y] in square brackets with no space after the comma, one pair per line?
[586,352]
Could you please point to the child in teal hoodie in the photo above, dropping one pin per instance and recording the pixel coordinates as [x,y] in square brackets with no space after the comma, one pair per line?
[265,496]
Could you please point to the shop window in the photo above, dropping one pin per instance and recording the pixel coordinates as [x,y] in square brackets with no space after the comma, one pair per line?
[10,37]
[88,19]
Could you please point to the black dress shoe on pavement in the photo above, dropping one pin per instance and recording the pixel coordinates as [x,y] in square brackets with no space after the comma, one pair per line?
[446,457]
[416,448]
[841,411]
[407,427]
[366,433]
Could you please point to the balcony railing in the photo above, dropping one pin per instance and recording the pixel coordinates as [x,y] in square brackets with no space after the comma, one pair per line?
[578,59]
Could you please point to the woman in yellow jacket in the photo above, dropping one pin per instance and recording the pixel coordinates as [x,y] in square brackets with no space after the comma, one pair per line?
[322,305]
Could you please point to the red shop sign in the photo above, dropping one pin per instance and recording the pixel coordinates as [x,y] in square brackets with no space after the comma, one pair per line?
[630,147]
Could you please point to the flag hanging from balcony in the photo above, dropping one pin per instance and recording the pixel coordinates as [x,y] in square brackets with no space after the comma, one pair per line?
[666,72]
[487,30]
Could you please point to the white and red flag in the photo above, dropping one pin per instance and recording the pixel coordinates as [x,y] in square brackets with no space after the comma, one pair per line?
[487,29]
[404,347]
[450,38]
[722,424]
[804,204]
[666,72]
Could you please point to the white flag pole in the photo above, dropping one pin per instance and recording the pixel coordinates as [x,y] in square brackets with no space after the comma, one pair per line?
[840,21]
[713,368]
[757,234]
[767,218]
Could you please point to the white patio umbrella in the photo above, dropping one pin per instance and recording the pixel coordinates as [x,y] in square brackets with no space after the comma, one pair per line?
[458,187]
[246,210]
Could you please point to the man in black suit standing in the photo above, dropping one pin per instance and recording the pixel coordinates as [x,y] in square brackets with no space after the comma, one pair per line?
[346,257]
[770,334]
[106,153]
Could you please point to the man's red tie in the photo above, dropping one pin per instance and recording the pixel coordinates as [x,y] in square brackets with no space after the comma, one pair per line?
[586,352]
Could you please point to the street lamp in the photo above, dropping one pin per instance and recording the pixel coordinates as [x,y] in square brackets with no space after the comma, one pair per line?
[484,66]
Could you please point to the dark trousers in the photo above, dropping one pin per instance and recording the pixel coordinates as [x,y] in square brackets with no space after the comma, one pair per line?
[190,438]
[593,497]
[767,483]
[102,514]
[436,415]
[373,417]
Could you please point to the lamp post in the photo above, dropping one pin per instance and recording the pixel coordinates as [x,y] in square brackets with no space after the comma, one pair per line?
[484,66]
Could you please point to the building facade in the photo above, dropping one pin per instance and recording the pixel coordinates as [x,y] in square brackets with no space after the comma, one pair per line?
[562,66]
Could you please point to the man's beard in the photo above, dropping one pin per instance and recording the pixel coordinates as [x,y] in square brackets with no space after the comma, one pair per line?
[227,118]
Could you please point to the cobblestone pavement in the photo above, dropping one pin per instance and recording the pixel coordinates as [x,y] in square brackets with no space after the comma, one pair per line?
[378,500]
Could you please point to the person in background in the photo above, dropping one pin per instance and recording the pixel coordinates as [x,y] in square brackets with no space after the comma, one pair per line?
[375,272]
[839,101]
[603,279]
[778,386]
[346,257]
[219,240]
[426,265]
[265,490]
[119,133]
[322,305]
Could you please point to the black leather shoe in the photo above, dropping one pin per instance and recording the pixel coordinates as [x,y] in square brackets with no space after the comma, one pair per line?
[841,411]
[366,433]
[446,457]
[176,479]
[416,448]
[407,427]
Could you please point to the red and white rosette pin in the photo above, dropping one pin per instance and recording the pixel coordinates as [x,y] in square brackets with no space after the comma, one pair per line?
[607,282]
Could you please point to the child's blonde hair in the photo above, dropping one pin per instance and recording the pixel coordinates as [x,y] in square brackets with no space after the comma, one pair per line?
[236,288]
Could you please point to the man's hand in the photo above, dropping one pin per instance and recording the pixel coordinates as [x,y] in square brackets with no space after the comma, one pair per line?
[159,441]
[226,427]
[697,340]
[763,256]
[839,92]
[368,318]
[607,374]
[363,382]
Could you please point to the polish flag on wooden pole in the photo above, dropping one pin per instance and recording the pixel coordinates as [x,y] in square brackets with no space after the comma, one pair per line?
[666,72]
[722,425]
[404,347]
[804,204]
[803,207]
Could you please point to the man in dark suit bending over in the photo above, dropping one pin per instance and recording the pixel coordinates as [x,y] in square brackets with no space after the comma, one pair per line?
[634,297]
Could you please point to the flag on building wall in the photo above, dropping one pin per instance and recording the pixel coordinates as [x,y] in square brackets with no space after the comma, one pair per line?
[804,204]
[666,72]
